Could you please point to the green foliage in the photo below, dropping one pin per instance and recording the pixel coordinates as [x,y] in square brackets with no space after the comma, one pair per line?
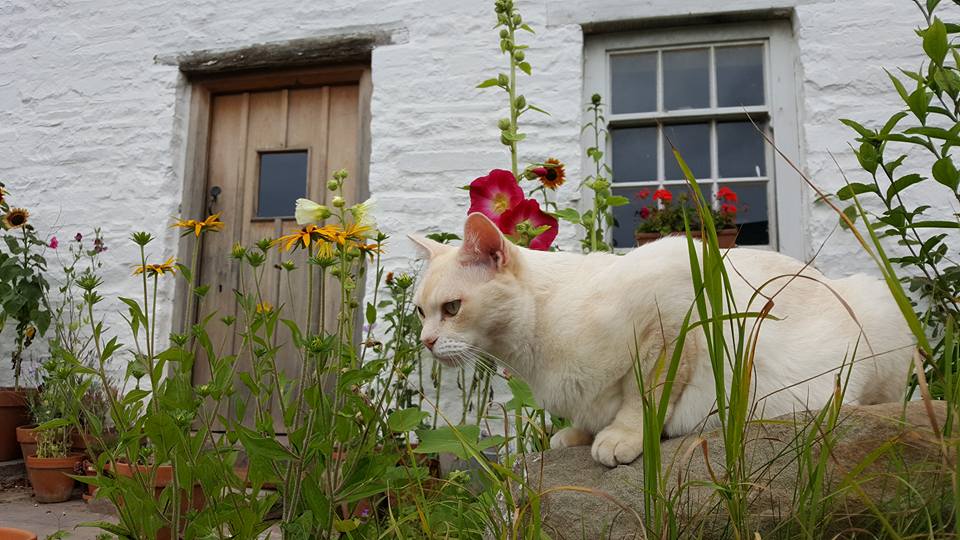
[925,131]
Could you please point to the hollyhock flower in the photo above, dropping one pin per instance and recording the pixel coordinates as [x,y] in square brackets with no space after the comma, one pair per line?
[644,212]
[662,195]
[78,237]
[53,242]
[494,194]
[307,212]
[520,222]
[643,194]
[726,194]
[551,175]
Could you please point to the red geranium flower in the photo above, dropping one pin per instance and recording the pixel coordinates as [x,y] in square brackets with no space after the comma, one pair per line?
[728,209]
[645,212]
[662,195]
[726,194]
[494,194]
[643,194]
[527,216]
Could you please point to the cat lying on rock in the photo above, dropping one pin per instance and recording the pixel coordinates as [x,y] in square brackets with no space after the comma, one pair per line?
[571,326]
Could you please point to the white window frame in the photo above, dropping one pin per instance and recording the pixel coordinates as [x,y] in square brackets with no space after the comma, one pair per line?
[786,196]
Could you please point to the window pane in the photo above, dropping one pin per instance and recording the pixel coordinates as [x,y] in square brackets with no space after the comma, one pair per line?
[752,216]
[693,143]
[682,192]
[634,154]
[686,81]
[741,150]
[634,82]
[627,217]
[283,180]
[739,76]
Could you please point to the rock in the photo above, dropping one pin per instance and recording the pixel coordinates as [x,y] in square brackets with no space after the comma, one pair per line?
[868,444]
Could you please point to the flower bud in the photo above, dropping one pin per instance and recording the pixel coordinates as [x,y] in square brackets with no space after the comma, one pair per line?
[520,102]
[519,56]
[333,185]
[238,251]
[504,124]
[503,80]
[595,99]
[339,202]
[516,19]
[504,33]
[504,140]
[600,184]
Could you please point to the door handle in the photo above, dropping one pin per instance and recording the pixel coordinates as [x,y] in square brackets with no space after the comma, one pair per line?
[215,192]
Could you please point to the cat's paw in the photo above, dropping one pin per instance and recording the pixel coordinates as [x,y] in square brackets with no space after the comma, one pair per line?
[570,436]
[615,445]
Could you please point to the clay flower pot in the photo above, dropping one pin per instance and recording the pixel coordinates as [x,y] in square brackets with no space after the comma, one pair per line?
[48,477]
[7,533]
[726,238]
[163,478]
[27,437]
[13,414]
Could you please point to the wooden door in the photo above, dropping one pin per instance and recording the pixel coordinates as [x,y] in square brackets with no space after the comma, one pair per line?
[266,149]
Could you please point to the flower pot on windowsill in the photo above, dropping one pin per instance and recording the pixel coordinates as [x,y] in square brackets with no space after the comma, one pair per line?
[163,478]
[13,414]
[726,238]
[49,477]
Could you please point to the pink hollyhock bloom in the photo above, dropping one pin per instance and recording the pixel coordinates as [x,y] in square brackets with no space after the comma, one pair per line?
[54,242]
[494,194]
[526,216]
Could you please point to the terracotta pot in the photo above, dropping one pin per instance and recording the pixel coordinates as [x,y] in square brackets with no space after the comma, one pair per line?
[163,478]
[89,470]
[7,533]
[48,477]
[726,238]
[27,437]
[13,414]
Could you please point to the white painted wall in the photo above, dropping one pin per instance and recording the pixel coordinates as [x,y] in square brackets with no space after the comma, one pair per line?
[92,126]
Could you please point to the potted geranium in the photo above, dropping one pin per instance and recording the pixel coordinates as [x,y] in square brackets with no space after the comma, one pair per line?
[665,216]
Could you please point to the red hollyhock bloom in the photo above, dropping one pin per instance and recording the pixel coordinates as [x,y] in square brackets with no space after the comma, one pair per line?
[645,212]
[662,195]
[643,194]
[728,209]
[494,194]
[726,194]
[529,212]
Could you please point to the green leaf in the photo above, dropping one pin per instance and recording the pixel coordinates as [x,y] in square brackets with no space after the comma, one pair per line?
[522,395]
[891,123]
[934,133]
[371,313]
[526,27]
[406,419]
[946,173]
[263,447]
[900,88]
[455,440]
[934,224]
[901,184]
[867,156]
[568,214]
[524,67]
[617,200]
[488,83]
[935,41]
[855,188]
[864,132]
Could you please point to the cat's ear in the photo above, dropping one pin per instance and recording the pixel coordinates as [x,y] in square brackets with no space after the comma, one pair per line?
[483,243]
[427,248]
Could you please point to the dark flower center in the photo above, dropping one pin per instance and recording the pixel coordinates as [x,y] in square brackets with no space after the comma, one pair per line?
[17,219]
[551,174]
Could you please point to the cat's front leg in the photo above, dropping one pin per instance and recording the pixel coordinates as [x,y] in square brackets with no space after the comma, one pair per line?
[622,441]
[571,436]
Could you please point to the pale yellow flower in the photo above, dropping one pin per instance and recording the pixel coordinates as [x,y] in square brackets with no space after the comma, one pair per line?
[308,212]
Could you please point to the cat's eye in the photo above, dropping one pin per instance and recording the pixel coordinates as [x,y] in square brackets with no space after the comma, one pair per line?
[420,311]
[452,307]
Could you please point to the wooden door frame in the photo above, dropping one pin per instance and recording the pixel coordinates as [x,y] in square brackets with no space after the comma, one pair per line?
[202,91]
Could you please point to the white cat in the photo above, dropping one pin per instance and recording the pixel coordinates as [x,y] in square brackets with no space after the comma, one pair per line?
[568,323]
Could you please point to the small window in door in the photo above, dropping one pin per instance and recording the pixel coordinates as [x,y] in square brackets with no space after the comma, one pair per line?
[282,180]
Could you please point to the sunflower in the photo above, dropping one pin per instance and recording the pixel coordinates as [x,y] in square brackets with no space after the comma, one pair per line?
[212,223]
[16,217]
[552,174]
[154,270]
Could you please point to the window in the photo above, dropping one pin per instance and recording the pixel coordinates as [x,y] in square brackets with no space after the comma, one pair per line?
[701,90]
[283,180]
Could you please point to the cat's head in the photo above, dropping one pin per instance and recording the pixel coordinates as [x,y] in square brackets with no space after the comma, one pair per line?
[472,298]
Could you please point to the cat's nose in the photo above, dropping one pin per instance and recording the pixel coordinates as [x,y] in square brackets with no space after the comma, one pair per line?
[430,342]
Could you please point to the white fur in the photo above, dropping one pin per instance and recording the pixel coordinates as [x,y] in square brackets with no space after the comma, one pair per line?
[567,324]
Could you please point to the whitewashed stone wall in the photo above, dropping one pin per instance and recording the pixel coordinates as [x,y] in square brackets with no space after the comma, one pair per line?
[92,125]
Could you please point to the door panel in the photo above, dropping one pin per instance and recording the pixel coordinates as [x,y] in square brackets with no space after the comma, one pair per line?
[323,121]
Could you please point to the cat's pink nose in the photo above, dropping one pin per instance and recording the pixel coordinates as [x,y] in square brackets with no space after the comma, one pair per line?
[430,342]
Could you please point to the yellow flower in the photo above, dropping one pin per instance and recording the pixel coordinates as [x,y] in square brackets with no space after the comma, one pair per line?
[153,270]
[16,217]
[305,236]
[212,223]
[308,211]
[369,249]
[353,232]
[264,307]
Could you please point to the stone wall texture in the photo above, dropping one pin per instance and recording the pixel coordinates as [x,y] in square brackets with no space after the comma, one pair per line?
[93,115]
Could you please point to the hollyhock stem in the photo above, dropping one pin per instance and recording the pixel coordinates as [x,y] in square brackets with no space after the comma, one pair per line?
[512,90]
